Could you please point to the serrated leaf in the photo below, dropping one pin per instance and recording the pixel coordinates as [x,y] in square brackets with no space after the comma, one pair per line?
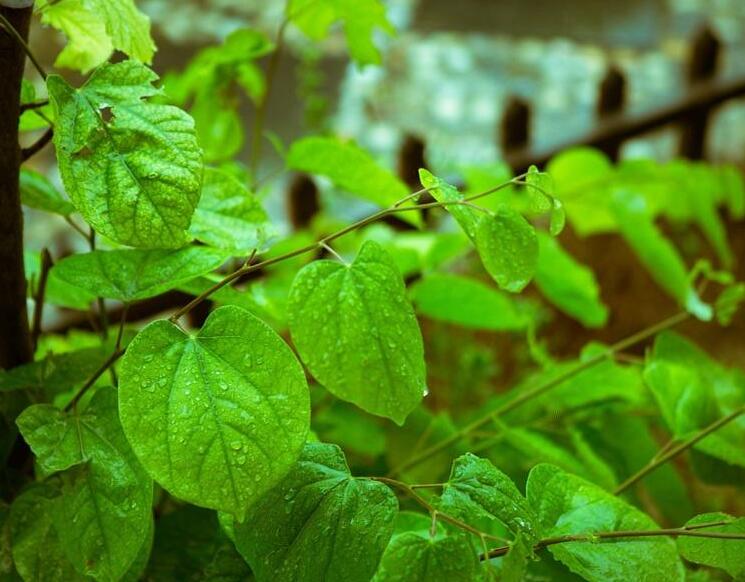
[729,555]
[360,18]
[467,302]
[228,215]
[567,505]
[508,247]
[320,523]
[37,553]
[95,28]
[504,240]
[39,193]
[355,330]
[133,274]
[135,178]
[417,556]
[568,284]
[476,488]
[350,168]
[103,514]
[216,418]
[656,252]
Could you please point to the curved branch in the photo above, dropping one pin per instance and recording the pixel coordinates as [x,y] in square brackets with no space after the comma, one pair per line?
[38,145]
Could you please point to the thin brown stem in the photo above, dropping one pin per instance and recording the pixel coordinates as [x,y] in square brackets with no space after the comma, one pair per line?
[46,265]
[38,145]
[34,105]
[542,388]
[672,452]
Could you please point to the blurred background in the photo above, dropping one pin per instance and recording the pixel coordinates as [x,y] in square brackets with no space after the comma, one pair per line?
[500,83]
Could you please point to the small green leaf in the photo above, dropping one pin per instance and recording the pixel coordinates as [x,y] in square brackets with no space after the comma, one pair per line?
[569,505]
[350,168]
[360,18]
[133,274]
[729,555]
[466,216]
[39,193]
[103,515]
[508,247]
[37,553]
[417,556]
[135,178]
[357,333]
[320,523]
[467,302]
[568,284]
[228,215]
[728,303]
[558,217]
[217,418]
[95,28]
[540,190]
[476,489]
[656,252]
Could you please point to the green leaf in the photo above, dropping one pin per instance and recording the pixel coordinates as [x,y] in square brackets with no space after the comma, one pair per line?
[729,555]
[656,252]
[357,333]
[216,418]
[360,18]
[228,215]
[417,556]
[136,178]
[467,302]
[57,291]
[540,189]
[568,284]
[508,247]
[37,553]
[39,193]
[350,428]
[95,28]
[477,489]
[133,274]
[728,303]
[505,241]
[569,505]
[350,168]
[103,514]
[320,523]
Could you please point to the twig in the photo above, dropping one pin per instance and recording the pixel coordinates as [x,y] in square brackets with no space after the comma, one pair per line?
[625,535]
[10,29]
[673,452]
[46,265]
[542,388]
[37,146]
[34,105]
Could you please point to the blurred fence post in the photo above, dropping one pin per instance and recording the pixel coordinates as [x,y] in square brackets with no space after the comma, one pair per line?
[514,128]
[410,159]
[302,201]
[611,102]
[702,67]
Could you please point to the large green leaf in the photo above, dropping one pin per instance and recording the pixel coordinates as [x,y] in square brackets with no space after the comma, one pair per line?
[136,177]
[467,302]
[38,192]
[360,18]
[568,284]
[95,28]
[103,515]
[228,215]
[357,333]
[37,553]
[219,417]
[320,523]
[133,274]
[415,555]
[729,555]
[505,241]
[476,489]
[566,505]
[350,168]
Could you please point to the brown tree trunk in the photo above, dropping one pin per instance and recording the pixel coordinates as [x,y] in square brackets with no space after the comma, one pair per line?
[15,342]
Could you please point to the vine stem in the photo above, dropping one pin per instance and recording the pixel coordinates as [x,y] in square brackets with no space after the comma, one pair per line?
[692,531]
[46,265]
[394,209]
[671,452]
[542,388]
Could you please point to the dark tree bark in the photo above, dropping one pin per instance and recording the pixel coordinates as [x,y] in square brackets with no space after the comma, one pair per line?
[15,340]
